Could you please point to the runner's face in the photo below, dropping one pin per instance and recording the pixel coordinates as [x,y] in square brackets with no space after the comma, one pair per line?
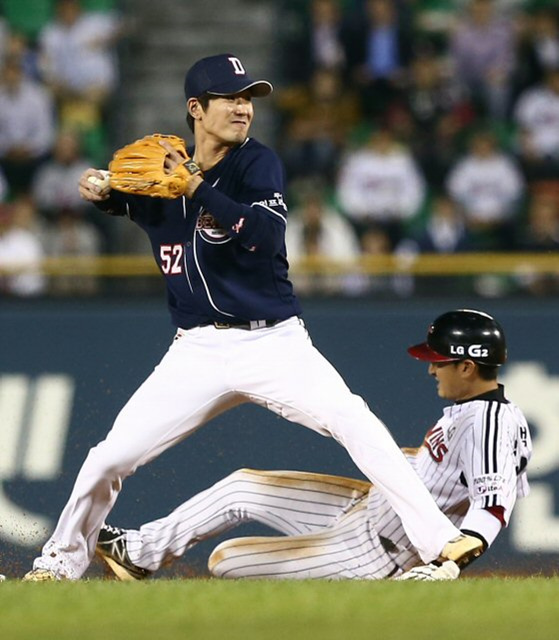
[450,381]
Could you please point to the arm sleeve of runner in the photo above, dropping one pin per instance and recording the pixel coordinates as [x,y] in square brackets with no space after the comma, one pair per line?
[482,522]
[488,462]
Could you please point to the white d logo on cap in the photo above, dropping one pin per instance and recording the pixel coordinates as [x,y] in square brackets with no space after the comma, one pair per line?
[237,66]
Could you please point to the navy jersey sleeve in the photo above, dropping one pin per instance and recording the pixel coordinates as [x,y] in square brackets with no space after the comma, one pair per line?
[257,216]
[140,209]
[115,204]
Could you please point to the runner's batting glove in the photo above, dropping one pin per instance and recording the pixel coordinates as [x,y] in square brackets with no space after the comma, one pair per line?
[139,168]
[432,572]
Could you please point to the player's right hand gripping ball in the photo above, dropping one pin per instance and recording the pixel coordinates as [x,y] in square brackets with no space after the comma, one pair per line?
[139,168]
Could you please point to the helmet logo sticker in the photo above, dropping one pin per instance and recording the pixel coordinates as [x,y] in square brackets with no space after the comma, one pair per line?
[477,351]
[474,350]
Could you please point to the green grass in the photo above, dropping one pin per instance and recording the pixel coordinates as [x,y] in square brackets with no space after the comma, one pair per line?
[478,608]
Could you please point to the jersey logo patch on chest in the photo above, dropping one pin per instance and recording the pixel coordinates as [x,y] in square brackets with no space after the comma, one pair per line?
[210,229]
[435,443]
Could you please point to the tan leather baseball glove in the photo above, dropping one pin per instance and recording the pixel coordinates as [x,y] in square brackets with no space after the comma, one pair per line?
[139,168]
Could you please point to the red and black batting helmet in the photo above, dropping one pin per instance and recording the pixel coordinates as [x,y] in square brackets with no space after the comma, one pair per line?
[463,334]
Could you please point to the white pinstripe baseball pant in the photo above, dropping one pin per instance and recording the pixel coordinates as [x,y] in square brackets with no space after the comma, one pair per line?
[324,519]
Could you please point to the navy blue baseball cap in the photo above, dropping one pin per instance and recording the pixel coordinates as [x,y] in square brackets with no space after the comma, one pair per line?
[222,75]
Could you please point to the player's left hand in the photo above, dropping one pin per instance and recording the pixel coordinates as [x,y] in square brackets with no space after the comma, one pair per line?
[157,166]
[176,154]
[432,572]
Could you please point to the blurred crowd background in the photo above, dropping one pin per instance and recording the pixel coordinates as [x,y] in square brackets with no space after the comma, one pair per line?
[407,127]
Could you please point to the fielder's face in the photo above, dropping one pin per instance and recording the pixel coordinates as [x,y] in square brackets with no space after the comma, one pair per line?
[227,119]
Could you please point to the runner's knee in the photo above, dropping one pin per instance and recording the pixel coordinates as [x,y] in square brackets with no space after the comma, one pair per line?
[217,562]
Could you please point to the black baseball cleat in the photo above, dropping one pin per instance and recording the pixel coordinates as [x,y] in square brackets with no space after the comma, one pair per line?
[111,548]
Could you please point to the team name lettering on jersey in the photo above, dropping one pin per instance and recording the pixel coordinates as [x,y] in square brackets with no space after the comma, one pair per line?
[210,229]
[435,443]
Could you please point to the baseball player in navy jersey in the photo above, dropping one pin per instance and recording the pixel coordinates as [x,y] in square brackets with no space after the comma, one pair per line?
[239,336]
[473,462]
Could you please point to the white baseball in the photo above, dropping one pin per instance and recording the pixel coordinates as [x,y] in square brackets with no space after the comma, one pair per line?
[103,182]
